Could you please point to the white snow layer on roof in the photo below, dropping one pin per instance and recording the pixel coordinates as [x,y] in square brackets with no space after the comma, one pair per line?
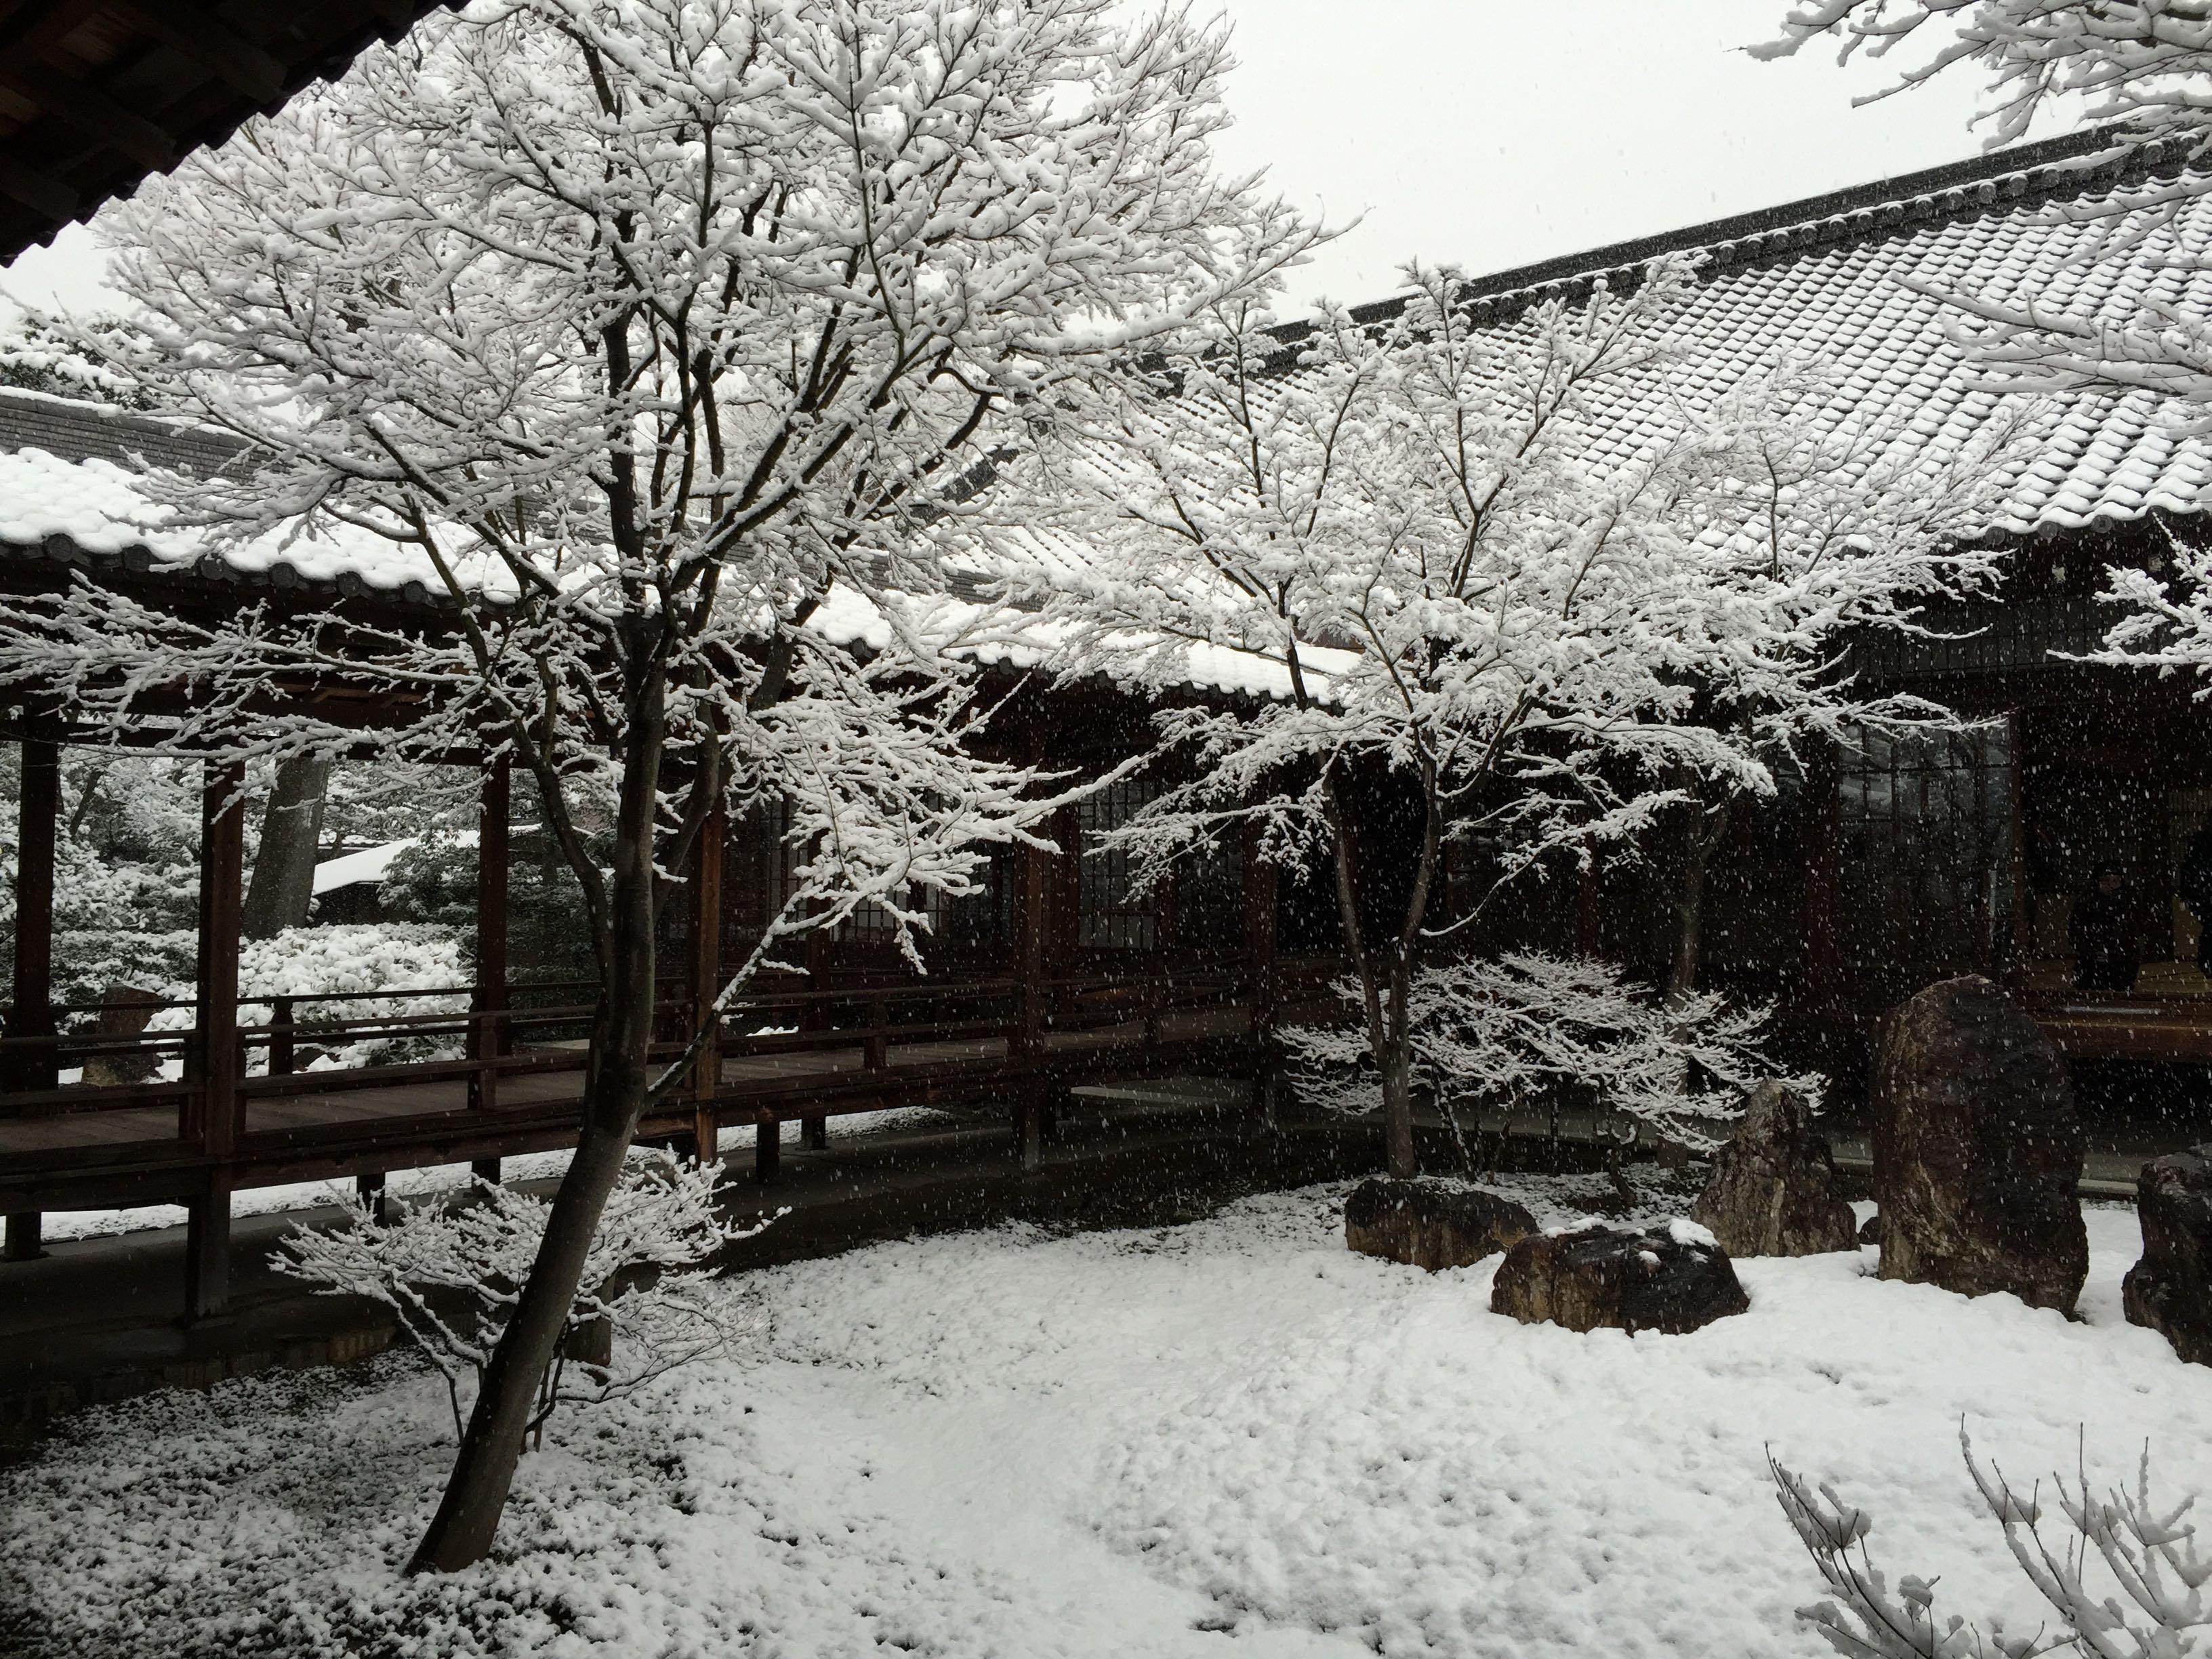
[98,506]
[368,864]
[1896,352]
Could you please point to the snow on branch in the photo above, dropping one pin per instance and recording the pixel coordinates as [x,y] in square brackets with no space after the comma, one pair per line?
[2121,1542]
[1528,1026]
[451,1274]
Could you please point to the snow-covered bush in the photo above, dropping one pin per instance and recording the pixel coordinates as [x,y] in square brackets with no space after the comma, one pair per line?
[342,962]
[2148,1552]
[1527,1026]
[453,1274]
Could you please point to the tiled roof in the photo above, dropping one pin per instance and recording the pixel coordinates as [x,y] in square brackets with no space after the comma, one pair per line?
[1832,278]
[1828,277]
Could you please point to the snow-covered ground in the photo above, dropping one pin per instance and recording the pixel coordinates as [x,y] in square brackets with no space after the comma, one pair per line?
[1230,1437]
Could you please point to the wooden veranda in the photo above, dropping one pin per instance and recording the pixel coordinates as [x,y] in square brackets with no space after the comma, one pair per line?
[242,1092]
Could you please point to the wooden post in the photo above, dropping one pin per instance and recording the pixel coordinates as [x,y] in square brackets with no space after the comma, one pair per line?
[372,1193]
[30,1062]
[284,1057]
[768,1147]
[487,1032]
[207,1249]
[485,1168]
[1260,963]
[814,1134]
[706,980]
[22,1240]
[219,1107]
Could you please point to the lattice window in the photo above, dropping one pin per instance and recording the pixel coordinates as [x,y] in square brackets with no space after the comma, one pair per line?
[1209,897]
[1112,914]
[1926,831]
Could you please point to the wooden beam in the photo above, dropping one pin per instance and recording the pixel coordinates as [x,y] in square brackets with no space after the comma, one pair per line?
[41,192]
[488,1037]
[218,46]
[91,111]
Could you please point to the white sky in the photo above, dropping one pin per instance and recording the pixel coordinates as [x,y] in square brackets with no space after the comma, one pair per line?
[1491,133]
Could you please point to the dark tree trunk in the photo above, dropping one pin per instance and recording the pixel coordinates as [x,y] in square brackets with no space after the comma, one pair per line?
[1706,829]
[283,880]
[614,1085]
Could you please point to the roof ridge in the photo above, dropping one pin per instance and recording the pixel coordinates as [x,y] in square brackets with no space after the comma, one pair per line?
[2008,174]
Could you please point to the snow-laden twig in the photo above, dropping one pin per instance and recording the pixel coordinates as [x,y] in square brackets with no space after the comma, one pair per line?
[451,1273]
[2144,1551]
[1528,1025]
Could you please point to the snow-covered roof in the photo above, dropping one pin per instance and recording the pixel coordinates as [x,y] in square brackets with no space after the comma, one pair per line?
[1831,278]
[1844,279]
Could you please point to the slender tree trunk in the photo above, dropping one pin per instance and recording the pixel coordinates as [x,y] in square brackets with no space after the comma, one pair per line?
[1394,1059]
[1706,830]
[283,883]
[616,1080]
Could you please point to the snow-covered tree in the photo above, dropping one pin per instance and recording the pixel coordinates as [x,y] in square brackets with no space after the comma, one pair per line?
[452,1273]
[2141,65]
[1529,1026]
[1473,577]
[654,339]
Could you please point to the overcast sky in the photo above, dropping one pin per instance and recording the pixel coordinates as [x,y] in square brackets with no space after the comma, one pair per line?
[1489,133]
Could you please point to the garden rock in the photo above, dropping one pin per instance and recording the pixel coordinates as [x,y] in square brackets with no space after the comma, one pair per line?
[1977,1149]
[126,1012]
[1870,1233]
[1773,1190]
[1672,1278]
[1425,1224]
[2170,1289]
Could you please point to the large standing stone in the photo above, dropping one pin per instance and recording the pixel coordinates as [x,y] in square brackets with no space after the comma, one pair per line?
[1425,1224]
[1977,1149]
[1773,1190]
[1673,1278]
[2170,1289]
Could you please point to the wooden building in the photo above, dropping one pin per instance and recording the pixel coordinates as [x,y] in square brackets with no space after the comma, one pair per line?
[1882,867]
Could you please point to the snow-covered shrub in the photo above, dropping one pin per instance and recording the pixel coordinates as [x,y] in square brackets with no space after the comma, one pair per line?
[453,1274]
[1527,1025]
[311,963]
[2148,1552]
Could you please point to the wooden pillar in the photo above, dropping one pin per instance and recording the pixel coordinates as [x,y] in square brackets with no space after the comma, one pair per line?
[376,1195]
[706,980]
[30,1062]
[23,1230]
[38,813]
[218,1106]
[1259,957]
[768,1147]
[485,1168]
[488,1033]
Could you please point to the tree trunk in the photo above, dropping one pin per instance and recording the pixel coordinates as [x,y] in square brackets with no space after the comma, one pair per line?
[616,1080]
[284,881]
[1394,1058]
[1706,830]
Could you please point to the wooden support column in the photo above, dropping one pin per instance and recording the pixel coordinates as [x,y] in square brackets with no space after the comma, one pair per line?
[768,1147]
[1260,963]
[30,1062]
[485,1168]
[488,1032]
[217,1105]
[706,980]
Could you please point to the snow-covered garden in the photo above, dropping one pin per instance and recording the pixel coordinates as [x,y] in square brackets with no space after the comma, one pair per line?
[1232,1436]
